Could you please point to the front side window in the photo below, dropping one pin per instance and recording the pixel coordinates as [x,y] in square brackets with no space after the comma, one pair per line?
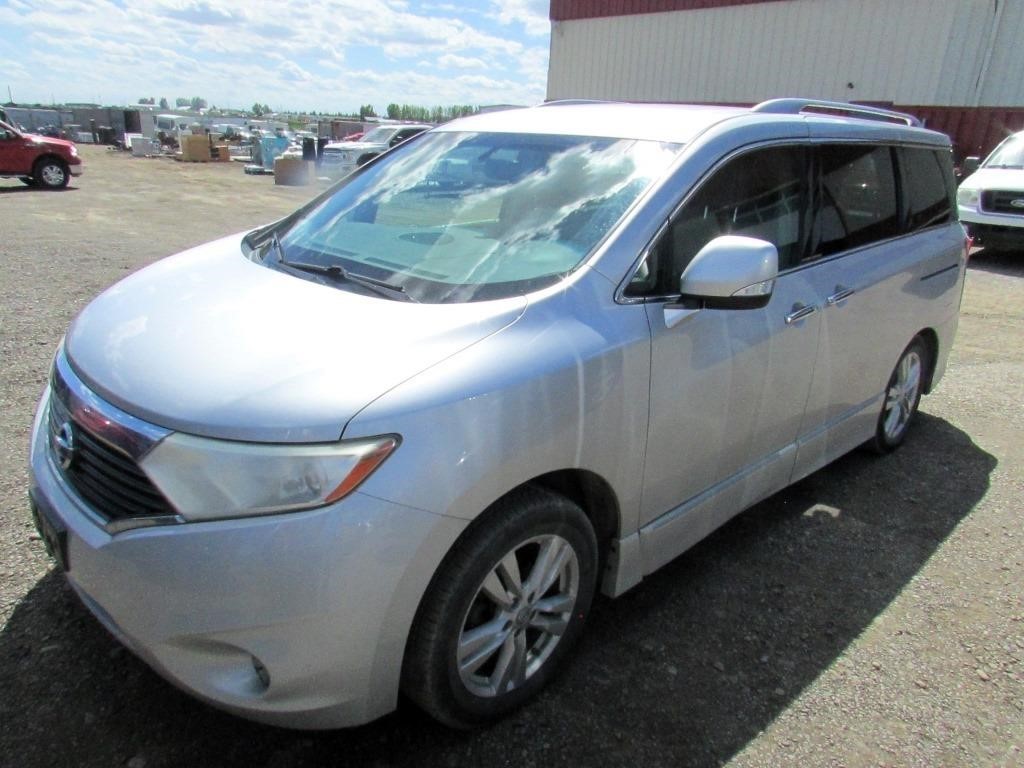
[469,216]
[857,197]
[760,194]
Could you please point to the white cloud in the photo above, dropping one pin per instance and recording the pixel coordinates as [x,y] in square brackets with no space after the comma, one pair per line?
[299,54]
[460,62]
[532,14]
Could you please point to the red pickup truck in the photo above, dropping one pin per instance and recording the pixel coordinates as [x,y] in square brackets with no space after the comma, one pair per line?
[37,160]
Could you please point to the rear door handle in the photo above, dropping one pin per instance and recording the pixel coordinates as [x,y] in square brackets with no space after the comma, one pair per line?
[800,311]
[840,294]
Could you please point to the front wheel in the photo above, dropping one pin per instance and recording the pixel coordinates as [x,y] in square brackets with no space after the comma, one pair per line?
[902,396]
[503,610]
[51,174]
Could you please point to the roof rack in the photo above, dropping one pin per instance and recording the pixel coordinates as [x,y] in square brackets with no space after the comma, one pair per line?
[841,108]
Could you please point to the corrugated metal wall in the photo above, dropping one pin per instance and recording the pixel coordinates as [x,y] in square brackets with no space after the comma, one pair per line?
[934,52]
[974,130]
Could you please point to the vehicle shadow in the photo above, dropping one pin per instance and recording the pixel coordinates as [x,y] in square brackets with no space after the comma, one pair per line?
[1010,263]
[684,670]
[7,190]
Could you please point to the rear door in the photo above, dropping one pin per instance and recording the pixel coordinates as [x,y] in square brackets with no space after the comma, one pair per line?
[876,234]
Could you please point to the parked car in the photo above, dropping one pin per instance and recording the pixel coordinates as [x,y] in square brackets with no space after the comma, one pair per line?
[991,198]
[340,158]
[37,160]
[524,356]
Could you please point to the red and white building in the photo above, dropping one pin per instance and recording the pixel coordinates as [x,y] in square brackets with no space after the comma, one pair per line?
[958,64]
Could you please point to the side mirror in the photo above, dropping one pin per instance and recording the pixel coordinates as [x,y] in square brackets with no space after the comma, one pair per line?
[971,164]
[732,272]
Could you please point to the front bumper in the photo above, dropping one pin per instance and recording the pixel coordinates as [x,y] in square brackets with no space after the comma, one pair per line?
[322,599]
[76,170]
[971,216]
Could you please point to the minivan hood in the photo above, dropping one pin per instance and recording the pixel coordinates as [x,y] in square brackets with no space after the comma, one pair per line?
[211,343]
[1010,179]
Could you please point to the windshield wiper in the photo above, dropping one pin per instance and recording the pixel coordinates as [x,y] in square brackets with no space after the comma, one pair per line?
[337,272]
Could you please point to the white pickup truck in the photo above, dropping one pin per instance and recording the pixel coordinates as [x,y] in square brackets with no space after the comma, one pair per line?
[340,158]
[991,199]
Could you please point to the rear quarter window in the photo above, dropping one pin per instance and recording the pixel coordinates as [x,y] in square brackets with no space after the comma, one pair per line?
[928,185]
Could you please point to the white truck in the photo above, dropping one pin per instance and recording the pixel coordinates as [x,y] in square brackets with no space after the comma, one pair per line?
[340,158]
[991,199]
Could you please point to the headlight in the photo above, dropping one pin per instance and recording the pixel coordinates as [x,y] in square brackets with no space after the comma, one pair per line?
[208,479]
[74,151]
[968,197]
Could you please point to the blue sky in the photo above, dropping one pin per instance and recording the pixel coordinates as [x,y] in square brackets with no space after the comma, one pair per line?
[324,55]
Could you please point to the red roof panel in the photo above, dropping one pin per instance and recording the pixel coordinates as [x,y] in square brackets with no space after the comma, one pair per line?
[568,10]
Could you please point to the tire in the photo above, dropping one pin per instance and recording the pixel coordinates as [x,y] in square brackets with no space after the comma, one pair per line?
[511,644]
[51,173]
[902,396]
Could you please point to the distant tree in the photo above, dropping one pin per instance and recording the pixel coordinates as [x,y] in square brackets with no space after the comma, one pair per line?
[150,100]
[366,111]
[163,103]
[180,102]
[197,103]
[257,109]
[394,112]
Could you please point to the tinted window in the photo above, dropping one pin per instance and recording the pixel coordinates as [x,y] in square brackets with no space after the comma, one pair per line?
[928,195]
[858,197]
[761,194]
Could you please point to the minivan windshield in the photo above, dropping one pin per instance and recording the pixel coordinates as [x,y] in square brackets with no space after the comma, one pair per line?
[458,216]
[1009,154]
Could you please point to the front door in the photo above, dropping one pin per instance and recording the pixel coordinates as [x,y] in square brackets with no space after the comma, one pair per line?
[11,151]
[728,386]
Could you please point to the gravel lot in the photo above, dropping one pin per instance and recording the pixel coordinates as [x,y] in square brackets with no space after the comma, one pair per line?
[870,615]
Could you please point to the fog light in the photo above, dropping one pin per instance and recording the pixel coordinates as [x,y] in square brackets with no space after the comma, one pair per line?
[261,672]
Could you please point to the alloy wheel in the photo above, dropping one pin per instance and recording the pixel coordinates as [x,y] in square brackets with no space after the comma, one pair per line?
[901,397]
[514,622]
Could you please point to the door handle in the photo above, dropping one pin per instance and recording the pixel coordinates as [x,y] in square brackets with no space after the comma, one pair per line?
[840,294]
[800,311]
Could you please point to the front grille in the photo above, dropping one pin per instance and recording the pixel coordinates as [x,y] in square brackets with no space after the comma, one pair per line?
[108,479]
[1002,201]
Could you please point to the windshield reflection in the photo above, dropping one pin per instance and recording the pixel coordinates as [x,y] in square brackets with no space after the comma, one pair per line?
[468,216]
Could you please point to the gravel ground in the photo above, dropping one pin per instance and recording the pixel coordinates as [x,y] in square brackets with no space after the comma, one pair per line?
[871,615]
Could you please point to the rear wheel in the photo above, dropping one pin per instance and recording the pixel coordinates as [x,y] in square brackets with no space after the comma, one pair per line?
[51,173]
[902,396]
[503,610]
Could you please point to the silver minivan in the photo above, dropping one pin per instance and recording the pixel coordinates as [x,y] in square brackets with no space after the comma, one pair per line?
[397,441]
